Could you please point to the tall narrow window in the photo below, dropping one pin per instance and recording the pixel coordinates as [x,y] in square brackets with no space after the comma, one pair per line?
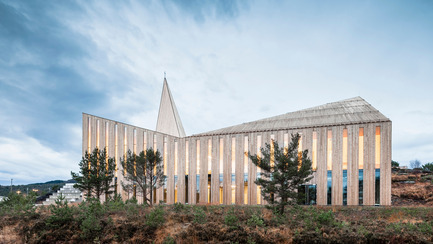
[197,182]
[361,165]
[259,170]
[246,170]
[329,166]
[106,136]
[344,149]
[329,150]
[176,178]
[209,168]
[233,177]
[186,170]
[221,169]
[300,150]
[286,141]
[89,135]
[272,150]
[164,159]
[361,148]
[377,148]
[97,133]
[314,151]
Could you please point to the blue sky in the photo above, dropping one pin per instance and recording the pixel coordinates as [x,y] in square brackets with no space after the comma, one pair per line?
[227,62]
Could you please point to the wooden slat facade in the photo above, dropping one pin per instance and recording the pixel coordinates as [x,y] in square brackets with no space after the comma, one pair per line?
[137,139]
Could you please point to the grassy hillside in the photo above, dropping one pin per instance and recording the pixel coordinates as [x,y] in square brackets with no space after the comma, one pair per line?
[38,188]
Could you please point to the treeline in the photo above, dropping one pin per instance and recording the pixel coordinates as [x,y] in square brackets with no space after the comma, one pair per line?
[39,189]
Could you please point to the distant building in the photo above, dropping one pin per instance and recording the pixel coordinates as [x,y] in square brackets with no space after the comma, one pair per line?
[349,142]
[2,198]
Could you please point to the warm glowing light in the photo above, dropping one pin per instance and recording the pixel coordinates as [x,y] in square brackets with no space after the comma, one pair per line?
[329,163]
[314,151]
[272,150]
[361,148]
[344,149]
[377,148]
[286,142]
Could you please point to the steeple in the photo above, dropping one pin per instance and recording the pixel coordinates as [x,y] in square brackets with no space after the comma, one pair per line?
[168,117]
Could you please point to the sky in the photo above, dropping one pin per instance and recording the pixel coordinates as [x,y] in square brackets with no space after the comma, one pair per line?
[227,62]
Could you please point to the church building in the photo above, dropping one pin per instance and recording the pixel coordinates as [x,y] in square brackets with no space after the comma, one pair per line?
[348,141]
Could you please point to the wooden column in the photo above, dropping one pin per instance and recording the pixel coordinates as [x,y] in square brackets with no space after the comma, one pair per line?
[227,170]
[353,165]
[239,172]
[204,147]
[337,165]
[171,147]
[385,163]
[369,153]
[215,170]
[252,170]
[181,170]
[193,171]
[321,166]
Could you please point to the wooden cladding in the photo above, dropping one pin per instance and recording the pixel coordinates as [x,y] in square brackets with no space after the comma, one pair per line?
[216,169]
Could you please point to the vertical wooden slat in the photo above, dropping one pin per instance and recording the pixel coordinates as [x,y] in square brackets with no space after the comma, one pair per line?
[337,165]
[352,165]
[171,147]
[321,166]
[193,171]
[227,170]
[92,133]
[204,169]
[160,147]
[120,155]
[369,134]
[181,171]
[215,170]
[239,172]
[385,163]
[252,170]
[85,134]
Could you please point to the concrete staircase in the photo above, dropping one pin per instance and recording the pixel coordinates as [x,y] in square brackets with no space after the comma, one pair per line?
[68,191]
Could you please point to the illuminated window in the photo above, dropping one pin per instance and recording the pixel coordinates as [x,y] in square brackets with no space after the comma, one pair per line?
[259,170]
[106,136]
[209,167]
[314,151]
[246,170]
[377,149]
[186,157]
[361,148]
[221,169]
[344,149]
[286,142]
[329,163]
[233,169]
[97,133]
[272,151]
[144,141]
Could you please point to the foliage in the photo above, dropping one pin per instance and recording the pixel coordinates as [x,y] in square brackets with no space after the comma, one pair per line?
[283,170]
[96,173]
[395,164]
[428,166]
[19,205]
[178,207]
[145,171]
[415,164]
[255,220]
[199,215]
[91,218]
[61,213]
[156,217]
[231,220]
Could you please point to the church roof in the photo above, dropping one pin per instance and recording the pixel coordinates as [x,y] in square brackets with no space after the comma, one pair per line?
[168,118]
[350,111]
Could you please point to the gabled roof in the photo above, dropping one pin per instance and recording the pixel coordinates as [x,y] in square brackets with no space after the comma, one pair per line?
[168,118]
[350,111]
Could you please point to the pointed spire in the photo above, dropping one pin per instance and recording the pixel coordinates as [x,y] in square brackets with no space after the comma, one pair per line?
[168,118]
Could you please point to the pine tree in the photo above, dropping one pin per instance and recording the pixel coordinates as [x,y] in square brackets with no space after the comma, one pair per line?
[145,171]
[283,171]
[96,174]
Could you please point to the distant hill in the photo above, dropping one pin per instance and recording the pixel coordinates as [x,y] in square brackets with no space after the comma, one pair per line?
[39,188]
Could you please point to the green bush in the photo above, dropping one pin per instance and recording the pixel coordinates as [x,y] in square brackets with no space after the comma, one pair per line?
[199,215]
[255,221]
[178,207]
[156,217]
[61,213]
[19,205]
[115,203]
[231,220]
[91,218]
[326,218]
